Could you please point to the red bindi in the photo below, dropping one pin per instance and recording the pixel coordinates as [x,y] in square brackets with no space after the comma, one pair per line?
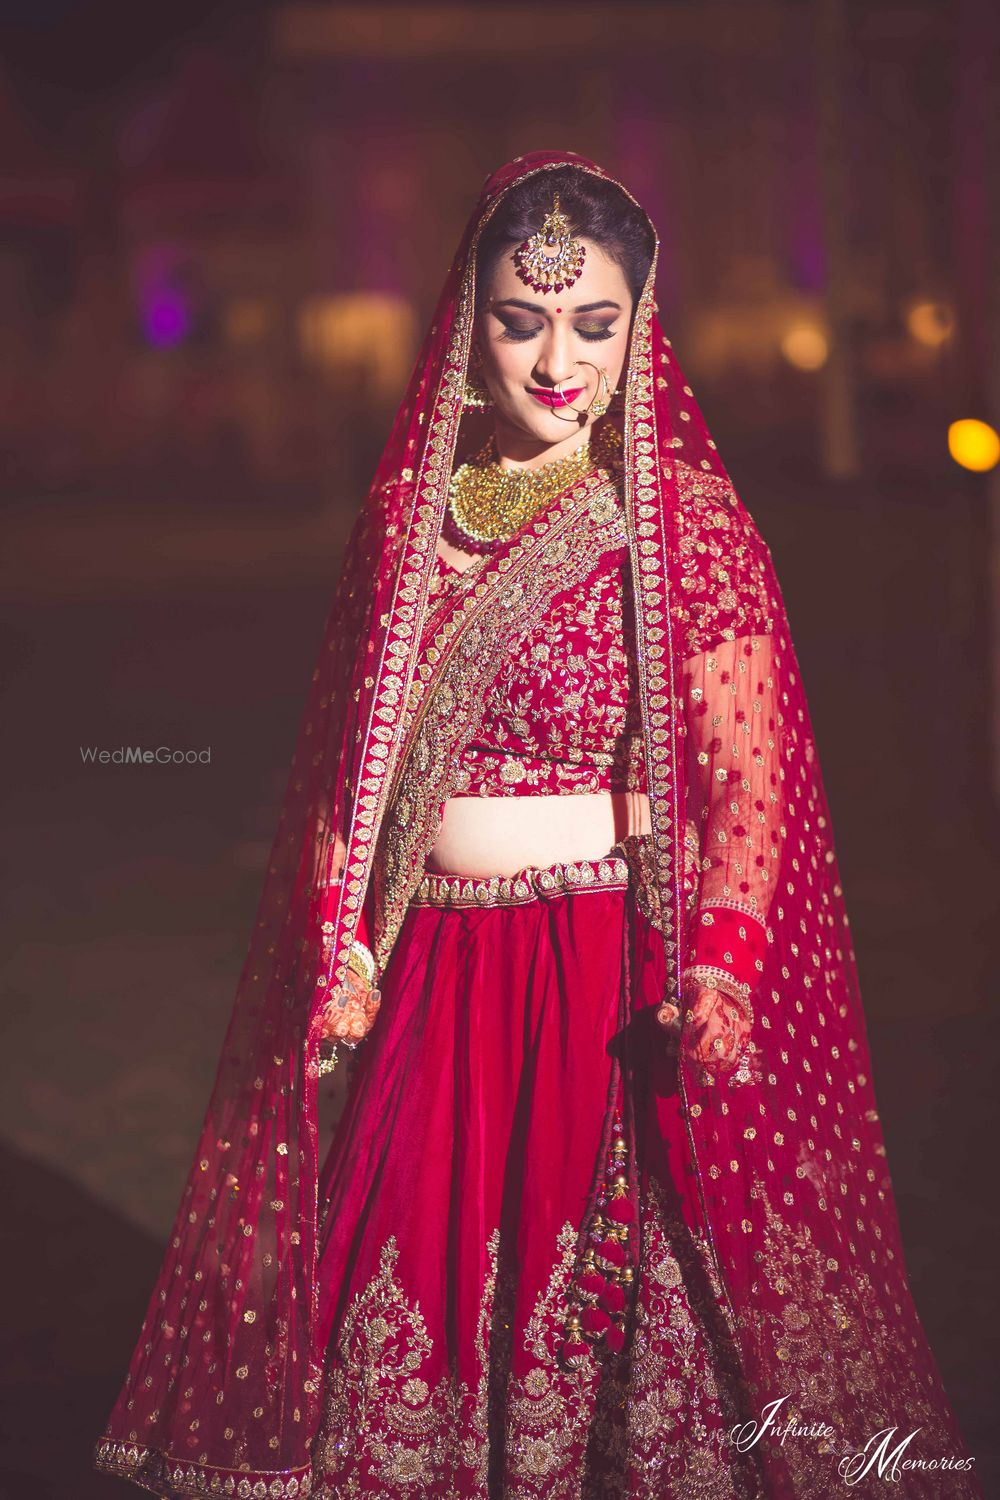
[558,309]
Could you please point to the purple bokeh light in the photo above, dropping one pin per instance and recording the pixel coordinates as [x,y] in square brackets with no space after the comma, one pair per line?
[166,317]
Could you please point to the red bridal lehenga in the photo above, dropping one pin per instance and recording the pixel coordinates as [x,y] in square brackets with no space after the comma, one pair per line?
[545,1255]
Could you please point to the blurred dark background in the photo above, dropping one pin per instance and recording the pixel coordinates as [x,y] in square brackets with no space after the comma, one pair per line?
[222,231]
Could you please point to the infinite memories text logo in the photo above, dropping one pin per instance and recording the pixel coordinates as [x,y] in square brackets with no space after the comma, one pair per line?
[882,1454]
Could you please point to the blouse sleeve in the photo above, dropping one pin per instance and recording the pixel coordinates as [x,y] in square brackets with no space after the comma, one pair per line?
[731,692]
[733,735]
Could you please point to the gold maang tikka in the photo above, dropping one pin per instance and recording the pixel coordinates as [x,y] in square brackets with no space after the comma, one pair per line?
[551,259]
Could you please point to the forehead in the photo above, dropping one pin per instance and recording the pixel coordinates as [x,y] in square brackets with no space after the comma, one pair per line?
[600,278]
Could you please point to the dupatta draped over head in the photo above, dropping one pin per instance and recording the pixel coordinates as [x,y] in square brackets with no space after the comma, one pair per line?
[224,1389]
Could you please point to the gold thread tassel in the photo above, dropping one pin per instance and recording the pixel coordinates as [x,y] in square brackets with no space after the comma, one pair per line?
[598,1293]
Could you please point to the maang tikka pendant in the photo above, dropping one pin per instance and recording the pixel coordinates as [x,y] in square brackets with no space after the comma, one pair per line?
[551,259]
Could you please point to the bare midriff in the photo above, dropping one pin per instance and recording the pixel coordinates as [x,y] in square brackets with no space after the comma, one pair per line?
[485,836]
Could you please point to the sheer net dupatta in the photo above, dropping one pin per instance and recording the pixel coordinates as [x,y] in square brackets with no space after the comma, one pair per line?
[783,1125]
[734,796]
[223,1391]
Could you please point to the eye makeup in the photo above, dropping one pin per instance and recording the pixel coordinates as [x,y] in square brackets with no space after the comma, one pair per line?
[595,331]
[517,333]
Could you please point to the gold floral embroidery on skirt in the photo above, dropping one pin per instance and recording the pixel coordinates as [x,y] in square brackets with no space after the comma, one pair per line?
[683,1392]
[380,1408]
[649,1422]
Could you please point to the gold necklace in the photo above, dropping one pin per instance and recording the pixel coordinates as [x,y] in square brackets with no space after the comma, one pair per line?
[488,504]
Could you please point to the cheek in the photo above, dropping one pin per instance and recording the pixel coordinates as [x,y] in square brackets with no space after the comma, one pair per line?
[512,362]
[618,367]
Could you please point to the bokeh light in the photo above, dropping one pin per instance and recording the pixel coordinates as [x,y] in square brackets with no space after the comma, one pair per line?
[805,346]
[974,445]
[166,317]
[367,335]
[931,323]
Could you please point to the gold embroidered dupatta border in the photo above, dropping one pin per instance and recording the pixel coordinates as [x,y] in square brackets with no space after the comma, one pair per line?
[460,658]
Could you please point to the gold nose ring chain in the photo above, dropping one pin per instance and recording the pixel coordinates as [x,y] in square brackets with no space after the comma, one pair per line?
[600,400]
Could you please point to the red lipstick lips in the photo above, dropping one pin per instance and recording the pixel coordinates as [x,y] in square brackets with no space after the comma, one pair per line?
[550,398]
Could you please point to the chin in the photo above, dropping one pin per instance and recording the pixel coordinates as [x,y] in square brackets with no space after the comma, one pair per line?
[546,427]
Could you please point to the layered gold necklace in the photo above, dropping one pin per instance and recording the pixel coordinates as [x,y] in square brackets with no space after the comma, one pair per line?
[488,504]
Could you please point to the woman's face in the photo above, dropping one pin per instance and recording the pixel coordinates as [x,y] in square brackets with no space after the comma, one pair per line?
[533,346]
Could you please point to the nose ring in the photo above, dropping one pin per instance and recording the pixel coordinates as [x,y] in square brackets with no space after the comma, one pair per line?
[601,399]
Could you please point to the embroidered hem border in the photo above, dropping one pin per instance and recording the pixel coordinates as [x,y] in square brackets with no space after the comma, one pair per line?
[155,1471]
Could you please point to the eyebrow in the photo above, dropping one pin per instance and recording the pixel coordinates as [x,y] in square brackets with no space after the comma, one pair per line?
[534,306]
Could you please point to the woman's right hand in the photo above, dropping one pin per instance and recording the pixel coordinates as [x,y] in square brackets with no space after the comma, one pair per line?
[352,1021]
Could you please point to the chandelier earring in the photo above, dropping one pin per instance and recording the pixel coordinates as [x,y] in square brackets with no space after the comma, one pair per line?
[475,395]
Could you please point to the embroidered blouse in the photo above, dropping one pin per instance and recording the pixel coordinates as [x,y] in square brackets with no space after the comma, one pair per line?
[563,714]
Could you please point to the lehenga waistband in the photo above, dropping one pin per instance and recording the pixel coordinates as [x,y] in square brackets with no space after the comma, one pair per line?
[608,873]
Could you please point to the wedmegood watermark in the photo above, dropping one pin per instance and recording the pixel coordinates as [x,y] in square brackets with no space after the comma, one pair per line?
[135,755]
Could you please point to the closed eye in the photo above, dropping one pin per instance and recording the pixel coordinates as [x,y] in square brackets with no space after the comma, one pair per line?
[513,334]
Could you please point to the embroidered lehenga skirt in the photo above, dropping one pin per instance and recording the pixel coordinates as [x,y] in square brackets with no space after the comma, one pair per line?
[485,1109]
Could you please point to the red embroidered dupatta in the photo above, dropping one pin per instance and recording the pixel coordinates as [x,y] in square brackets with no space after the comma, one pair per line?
[223,1391]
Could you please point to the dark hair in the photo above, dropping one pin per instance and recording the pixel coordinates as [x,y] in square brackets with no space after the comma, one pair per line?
[595,208]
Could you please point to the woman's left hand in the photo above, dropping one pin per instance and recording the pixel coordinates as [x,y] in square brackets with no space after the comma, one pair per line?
[716,1031]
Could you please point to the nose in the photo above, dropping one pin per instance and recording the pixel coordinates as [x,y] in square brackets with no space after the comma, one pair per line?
[555,364]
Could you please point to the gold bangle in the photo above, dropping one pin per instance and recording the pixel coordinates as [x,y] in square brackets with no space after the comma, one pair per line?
[362,962]
[710,977]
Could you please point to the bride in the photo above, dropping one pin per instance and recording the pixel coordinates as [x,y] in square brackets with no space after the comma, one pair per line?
[607,1210]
